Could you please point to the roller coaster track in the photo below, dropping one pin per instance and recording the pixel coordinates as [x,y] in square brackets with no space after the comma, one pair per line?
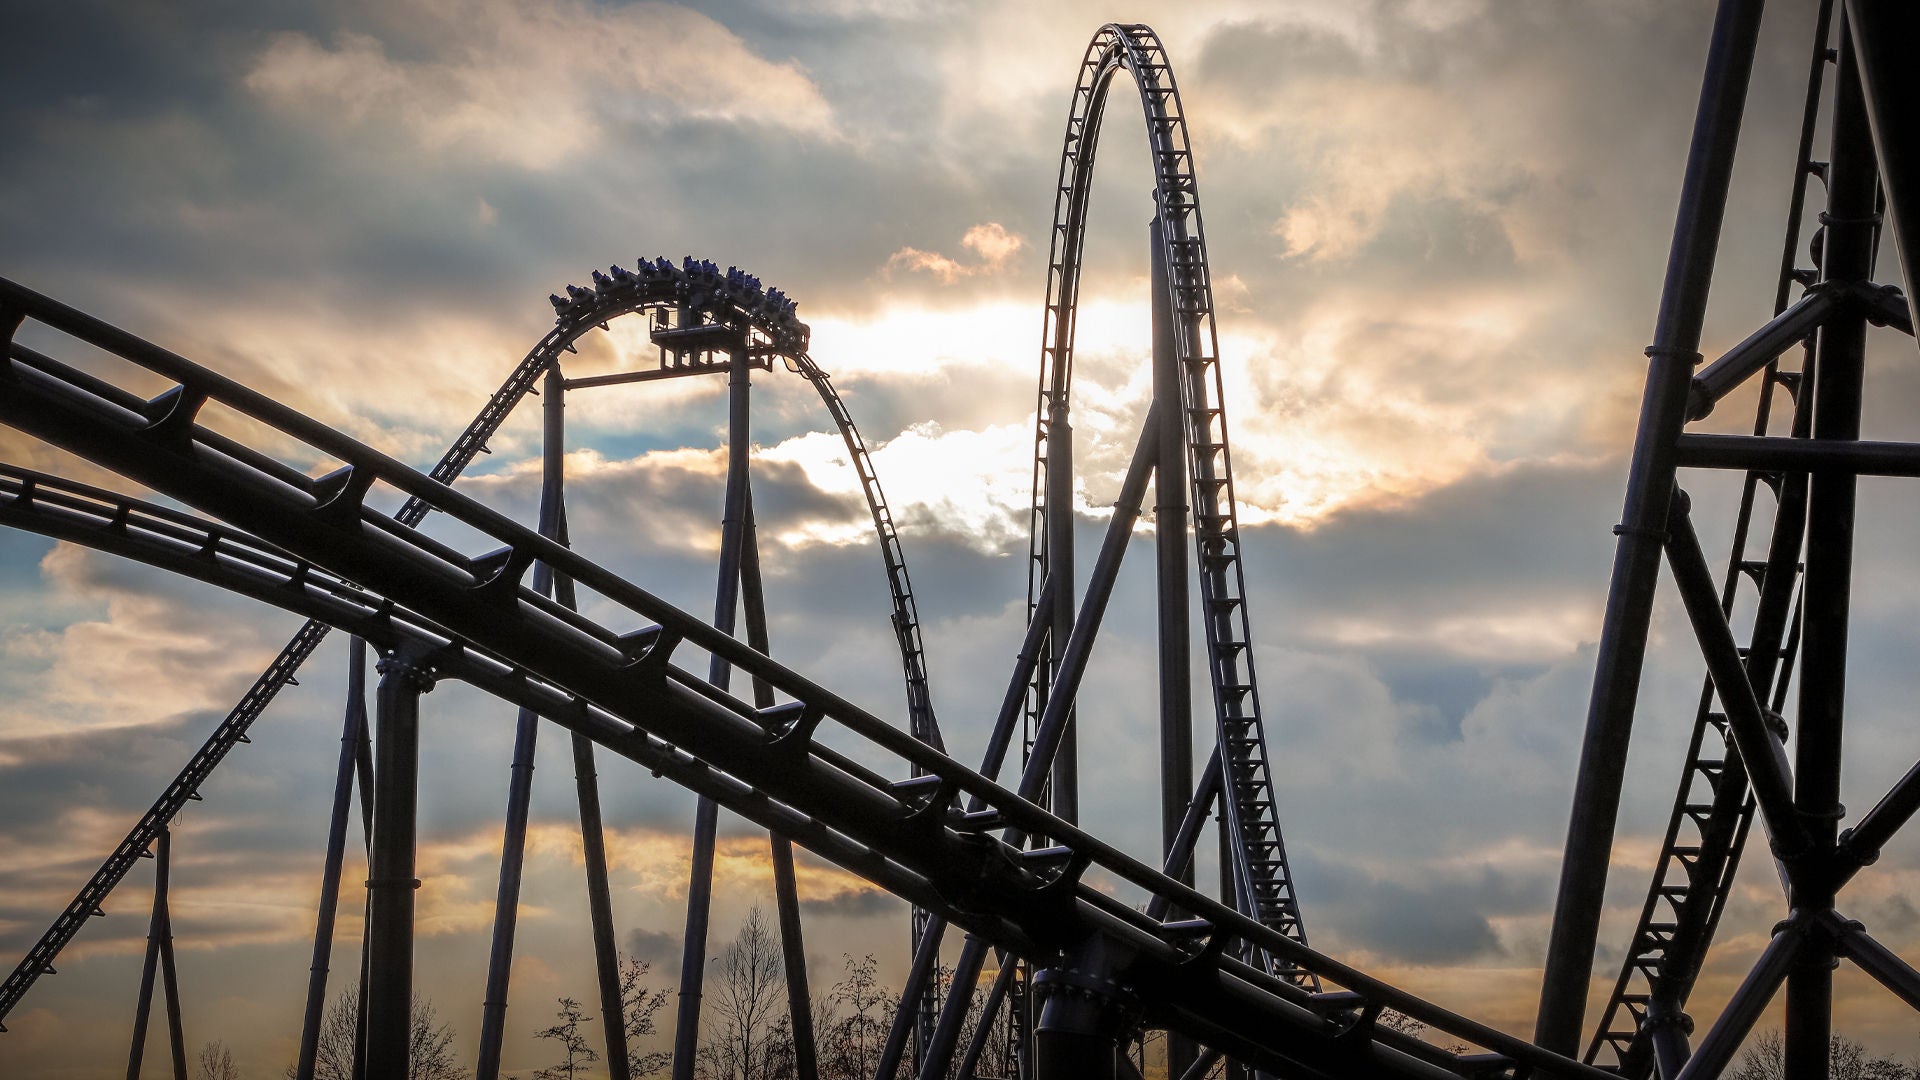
[321,551]
[1263,879]
[696,290]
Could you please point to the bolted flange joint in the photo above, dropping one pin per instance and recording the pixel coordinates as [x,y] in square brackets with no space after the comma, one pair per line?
[1083,1003]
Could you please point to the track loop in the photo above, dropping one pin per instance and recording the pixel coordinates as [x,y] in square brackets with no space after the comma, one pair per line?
[1263,878]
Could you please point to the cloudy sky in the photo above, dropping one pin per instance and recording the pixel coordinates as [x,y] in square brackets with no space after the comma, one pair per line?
[1437,229]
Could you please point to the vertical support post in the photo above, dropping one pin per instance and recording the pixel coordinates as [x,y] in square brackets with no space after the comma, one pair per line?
[1065,801]
[706,823]
[1636,566]
[363,769]
[156,926]
[1170,551]
[506,902]
[1230,896]
[786,889]
[606,952]
[351,730]
[1084,1016]
[586,780]
[519,793]
[391,885]
[169,978]
[1847,256]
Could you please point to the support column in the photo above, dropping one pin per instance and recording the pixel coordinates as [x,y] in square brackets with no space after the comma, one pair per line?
[390,888]
[1065,800]
[593,843]
[506,902]
[1085,1016]
[1847,256]
[1636,565]
[156,929]
[363,769]
[169,977]
[706,823]
[519,794]
[786,889]
[606,949]
[351,730]
[1170,551]
[1230,896]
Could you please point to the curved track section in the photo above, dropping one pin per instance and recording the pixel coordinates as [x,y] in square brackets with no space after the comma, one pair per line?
[614,681]
[700,292]
[1264,881]
[697,292]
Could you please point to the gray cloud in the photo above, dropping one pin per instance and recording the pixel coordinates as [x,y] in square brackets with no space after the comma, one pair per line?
[1436,237]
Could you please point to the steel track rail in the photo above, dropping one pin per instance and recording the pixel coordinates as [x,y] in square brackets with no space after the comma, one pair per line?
[659,284]
[1264,879]
[619,687]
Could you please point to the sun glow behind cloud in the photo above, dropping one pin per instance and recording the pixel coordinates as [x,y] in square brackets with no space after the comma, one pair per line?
[1435,239]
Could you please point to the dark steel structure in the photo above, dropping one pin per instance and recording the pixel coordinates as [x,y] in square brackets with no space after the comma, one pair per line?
[692,307]
[1080,970]
[1806,463]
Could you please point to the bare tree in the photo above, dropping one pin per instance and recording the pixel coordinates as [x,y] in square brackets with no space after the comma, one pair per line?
[997,1051]
[746,1001]
[640,1005]
[429,1044]
[1766,1059]
[216,1062]
[853,1029]
[579,1052]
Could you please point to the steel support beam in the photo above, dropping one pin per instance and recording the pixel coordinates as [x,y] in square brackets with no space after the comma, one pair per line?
[353,729]
[1170,553]
[143,1004]
[1861,844]
[786,889]
[1049,737]
[1636,566]
[1760,751]
[506,902]
[513,847]
[1851,225]
[1760,348]
[1723,1040]
[706,824]
[1817,456]
[159,950]
[390,888]
[169,975]
[1063,797]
